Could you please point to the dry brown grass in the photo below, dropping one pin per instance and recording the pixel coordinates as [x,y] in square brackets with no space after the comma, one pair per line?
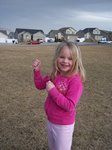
[22,117]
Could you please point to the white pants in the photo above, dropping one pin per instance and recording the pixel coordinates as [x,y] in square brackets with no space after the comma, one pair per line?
[60,136]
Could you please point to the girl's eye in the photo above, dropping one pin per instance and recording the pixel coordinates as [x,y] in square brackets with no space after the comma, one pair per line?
[70,58]
[61,57]
[64,58]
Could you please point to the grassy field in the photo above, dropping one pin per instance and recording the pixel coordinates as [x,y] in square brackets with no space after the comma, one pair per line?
[22,117]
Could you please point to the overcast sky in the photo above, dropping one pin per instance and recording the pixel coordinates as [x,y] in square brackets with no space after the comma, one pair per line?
[50,14]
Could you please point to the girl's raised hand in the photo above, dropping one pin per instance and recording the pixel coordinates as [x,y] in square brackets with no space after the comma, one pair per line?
[36,64]
[49,85]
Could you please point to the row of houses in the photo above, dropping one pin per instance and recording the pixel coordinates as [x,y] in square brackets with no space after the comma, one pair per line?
[66,33]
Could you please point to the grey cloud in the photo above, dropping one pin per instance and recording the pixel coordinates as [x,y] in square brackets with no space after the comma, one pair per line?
[48,14]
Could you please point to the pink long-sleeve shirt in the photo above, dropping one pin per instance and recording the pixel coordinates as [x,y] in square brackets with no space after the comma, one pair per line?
[60,104]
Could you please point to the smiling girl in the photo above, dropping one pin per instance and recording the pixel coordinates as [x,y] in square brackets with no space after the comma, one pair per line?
[64,88]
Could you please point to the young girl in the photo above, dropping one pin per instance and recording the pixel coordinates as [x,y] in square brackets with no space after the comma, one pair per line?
[64,87]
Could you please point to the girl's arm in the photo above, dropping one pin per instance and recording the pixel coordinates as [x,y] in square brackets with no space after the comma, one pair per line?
[40,82]
[70,100]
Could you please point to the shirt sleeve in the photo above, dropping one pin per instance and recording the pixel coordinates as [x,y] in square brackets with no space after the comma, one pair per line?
[40,82]
[70,100]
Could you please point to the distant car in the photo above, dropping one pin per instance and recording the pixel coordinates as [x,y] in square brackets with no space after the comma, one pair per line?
[109,41]
[104,42]
[34,42]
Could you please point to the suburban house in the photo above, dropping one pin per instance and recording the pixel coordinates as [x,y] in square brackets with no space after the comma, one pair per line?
[11,35]
[24,35]
[7,37]
[3,34]
[66,33]
[53,34]
[94,34]
[107,35]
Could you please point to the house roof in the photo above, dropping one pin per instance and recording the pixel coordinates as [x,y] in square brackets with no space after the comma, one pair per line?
[88,30]
[53,31]
[11,34]
[3,31]
[31,31]
[65,28]
[105,31]
[80,33]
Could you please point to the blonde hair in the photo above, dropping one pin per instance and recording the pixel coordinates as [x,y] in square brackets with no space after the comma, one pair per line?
[77,66]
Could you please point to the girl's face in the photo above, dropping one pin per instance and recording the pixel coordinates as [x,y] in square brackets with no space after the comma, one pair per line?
[64,60]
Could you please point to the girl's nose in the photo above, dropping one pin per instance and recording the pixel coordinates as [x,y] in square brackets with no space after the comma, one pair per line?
[65,60]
